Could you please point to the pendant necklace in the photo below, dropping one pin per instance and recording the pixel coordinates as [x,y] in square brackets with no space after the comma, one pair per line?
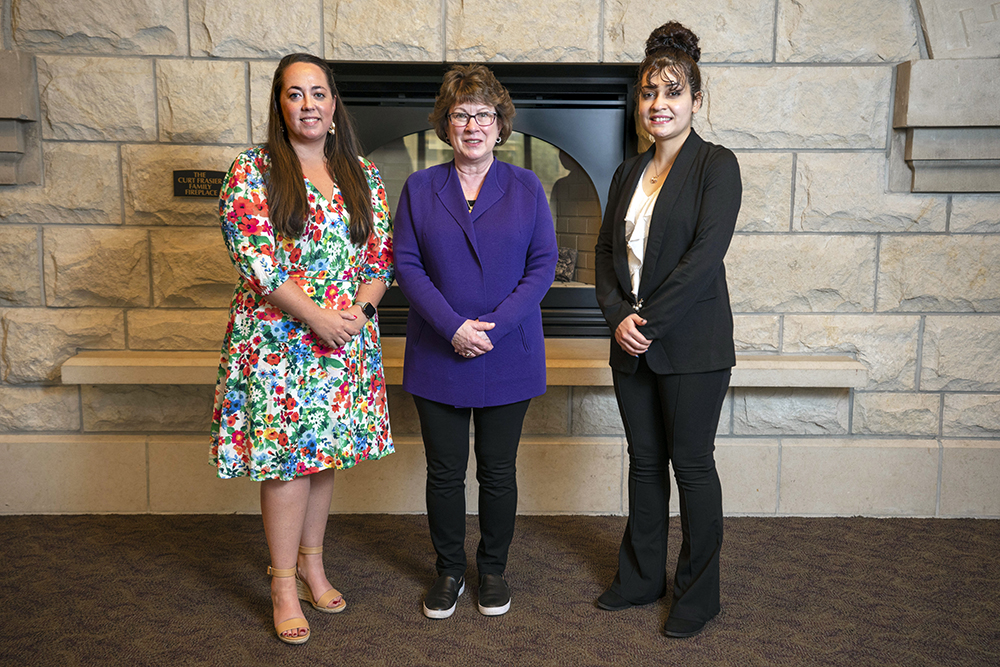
[653,179]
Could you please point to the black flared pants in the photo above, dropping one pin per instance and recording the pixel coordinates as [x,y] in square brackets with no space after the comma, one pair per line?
[672,419]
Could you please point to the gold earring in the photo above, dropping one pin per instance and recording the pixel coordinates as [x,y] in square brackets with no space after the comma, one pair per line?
[333,128]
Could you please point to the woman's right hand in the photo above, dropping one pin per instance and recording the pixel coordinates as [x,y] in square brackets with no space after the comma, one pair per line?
[629,337]
[334,327]
[471,340]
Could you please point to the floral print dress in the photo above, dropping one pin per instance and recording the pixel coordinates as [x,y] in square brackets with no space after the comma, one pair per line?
[286,404]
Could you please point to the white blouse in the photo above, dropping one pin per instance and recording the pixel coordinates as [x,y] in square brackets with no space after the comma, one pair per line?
[637,231]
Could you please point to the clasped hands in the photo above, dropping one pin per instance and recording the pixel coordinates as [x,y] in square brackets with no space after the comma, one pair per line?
[471,340]
[337,327]
[628,336]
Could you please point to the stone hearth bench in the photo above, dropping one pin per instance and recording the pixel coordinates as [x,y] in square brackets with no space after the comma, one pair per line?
[570,362]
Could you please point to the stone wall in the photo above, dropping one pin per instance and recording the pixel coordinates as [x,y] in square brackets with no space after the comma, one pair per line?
[827,258]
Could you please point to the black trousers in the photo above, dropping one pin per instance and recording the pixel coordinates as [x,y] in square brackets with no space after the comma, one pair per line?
[445,430]
[672,418]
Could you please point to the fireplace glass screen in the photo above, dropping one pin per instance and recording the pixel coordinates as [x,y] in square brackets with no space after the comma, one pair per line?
[576,209]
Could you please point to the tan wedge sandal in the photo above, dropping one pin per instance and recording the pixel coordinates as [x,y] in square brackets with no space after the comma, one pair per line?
[305,593]
[295,623]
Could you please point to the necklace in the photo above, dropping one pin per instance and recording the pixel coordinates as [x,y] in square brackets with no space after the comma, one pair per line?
[653,179]
[473,181]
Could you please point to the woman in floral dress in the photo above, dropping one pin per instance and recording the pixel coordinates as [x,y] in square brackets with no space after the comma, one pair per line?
[301,390]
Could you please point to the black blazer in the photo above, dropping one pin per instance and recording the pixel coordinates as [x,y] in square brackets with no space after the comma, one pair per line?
[682,291]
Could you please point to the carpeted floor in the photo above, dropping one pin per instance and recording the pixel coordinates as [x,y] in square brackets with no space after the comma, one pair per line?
[191,590]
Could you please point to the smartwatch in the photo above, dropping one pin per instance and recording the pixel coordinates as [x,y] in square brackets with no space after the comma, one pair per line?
[366,308]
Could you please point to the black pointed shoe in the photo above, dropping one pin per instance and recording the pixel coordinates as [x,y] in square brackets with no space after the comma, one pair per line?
[494,595]
[611,601]
[681,628]
[442,598]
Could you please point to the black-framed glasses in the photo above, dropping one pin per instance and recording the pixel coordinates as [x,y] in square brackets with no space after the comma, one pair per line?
[483,118]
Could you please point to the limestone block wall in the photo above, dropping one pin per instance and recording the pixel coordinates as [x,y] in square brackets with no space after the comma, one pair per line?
[827,257]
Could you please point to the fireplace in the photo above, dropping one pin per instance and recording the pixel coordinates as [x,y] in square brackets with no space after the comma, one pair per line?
[574,125]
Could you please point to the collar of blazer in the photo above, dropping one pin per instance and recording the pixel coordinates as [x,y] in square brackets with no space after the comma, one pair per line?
[452,197]
[669,192]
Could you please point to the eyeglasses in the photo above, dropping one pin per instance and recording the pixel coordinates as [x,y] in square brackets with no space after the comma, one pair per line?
[483,118]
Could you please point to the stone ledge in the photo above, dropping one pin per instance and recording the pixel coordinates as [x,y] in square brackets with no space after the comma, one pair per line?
[570,362]
[140,367]
[795,370]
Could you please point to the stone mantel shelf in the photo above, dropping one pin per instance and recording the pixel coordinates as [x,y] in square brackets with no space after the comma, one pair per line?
[570,362]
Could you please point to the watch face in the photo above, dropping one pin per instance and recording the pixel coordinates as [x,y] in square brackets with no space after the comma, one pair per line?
[368,310]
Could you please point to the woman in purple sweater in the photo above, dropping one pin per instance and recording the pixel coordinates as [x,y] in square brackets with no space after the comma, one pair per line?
[475,253]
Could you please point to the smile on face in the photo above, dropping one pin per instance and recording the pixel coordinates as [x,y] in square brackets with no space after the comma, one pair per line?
[666,106]
[307,104]
[472,143]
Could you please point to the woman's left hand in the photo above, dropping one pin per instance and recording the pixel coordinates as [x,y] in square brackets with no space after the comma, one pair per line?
[471,340]
[354,326]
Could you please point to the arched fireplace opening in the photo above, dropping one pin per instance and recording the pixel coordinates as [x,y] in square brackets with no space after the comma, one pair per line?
[574,125]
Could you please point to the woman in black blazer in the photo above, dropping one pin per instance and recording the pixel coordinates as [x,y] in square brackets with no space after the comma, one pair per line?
[661,285]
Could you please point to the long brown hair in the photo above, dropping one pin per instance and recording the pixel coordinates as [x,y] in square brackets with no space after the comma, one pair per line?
[287,202]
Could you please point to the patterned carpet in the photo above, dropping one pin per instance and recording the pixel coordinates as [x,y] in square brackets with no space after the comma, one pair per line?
[191,590]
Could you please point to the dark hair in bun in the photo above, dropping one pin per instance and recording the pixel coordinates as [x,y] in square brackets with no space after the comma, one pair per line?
[672,48]
[675,36]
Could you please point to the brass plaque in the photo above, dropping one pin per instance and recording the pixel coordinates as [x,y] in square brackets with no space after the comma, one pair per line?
[194,183]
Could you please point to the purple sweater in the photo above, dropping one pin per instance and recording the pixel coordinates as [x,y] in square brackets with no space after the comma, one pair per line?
[494,264]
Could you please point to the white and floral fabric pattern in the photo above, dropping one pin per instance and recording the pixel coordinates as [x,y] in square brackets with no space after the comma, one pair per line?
[286,404]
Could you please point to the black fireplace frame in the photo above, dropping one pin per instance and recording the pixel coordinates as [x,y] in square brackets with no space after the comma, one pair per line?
[585,109]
